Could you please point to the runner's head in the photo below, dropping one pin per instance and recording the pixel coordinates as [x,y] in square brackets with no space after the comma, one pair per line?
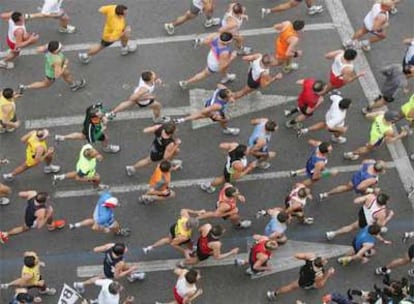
[303,192]
[119,249]
[54,46]
[165,166]
[7,93]
[30,261]
[318,86]
[325,147]
[169,128]
[379,166]
[408,70]
[121,10]
[271,126]
[114,288]
[320,262]
[192,276]
[148,76]
[217,231]
[374,229]
[271,245]
[24,298]
[266,60]
[345,103]
[238,9]
[387,4]
[42,134]
[298,25]
[225,94]
[226,38]
[350,54]
[282,217]
[90,153]
[41,197]
[391,116]
[231,192]
[382,199]
[111,202]
[17,17]
[192,223]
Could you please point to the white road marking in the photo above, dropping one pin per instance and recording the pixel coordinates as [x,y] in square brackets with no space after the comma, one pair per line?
[174,39]
[371,90]
[281,261]
[194,182]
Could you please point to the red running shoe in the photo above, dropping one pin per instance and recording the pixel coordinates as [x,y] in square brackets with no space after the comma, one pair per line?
[3,238]
[57,224]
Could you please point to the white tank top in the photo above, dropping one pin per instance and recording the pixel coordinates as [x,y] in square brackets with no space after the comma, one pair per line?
[338,65]
[257,69]
[12,29]
[183,288]
[371,210]
[373,13]
[143,84]
[230,14]
[294,194]
[198,4]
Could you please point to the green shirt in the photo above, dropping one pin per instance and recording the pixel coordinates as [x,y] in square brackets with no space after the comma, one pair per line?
[86,167]
[50,60]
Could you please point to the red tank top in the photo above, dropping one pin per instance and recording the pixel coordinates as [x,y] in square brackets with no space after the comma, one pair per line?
[308,97]
[223,199]
[202,244]
[260,248]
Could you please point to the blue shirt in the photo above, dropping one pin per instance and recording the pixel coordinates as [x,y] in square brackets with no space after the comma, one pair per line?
[363,237]
[259,131]
[102,215]
[361,175]
[312,161]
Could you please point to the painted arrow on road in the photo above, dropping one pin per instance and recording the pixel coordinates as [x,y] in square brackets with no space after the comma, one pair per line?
[282,260]
[249,104]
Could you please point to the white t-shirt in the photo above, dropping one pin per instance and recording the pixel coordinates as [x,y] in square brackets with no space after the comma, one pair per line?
[105,297]
[52,7]
[335,117]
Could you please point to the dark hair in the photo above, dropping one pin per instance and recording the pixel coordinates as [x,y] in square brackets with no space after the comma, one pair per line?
[16,16]
[8,93]
[345,103]
[191,276]
[282,217]
[324,147]
[374,229]
[407,69]
[318,86]
[52,46]
[302,193]
[41,197]
[120,9]
[240,150]
[318,262]
[226,37]
[223,93]
[29,261]
[382,199]
[146,76]
[114,288]
[119,248]
[217,231]
[266,59]
[229,192]
[298,25]
[270,126]
[238,8]
[169,128]
[379,166]
[24,298]
[350,54]
[165,166]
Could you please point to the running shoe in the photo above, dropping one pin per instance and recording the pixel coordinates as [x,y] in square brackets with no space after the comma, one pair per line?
[124,232]
[161,119]
[315,9]
[147,249]
[4,201]
[308,220]
[169,28]
[244,224]
[8,177]
[344,260]
[130,48]
[51,169]
[244,51]
[212,22]
[48,291]
[69,29]
[4,238]
[56,224]
[59,138]
[271,296]
[145,199]
[406,236]
[183,84]
[207,187]
[78,84]
[130,170]
[111,149]
[301,132]
[260,213]
[136,276]
[6,65]
[265,12]
[382,271]
[197,42]
[339,139]
[177,163]
[178,120]
[330,235]
[264,165]
[79,287]
[351,156]
[110,115]
[238,262]
[322,196]
[231,131]
[84,58]
[228,78]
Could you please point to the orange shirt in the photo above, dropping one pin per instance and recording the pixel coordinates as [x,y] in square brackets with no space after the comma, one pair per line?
[159,180]
[282,43]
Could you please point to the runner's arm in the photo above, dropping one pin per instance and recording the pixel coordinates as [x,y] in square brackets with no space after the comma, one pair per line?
[187,212]
[103,248]
[251,57]
[170,150]
[255,150]
[332,54]
[151,129]
[291,50]
[365,184]
[259,264]
[20,42]
[391,136]
[218,255]
[305,256]
[192,296]
[317,171]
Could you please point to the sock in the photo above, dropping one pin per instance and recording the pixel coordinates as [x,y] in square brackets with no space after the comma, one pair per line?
[292,122]
[77,225]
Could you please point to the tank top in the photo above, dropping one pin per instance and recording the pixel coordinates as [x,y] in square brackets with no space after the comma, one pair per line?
[33,143]
[34,272]
[215,99]
[103,215]
[30,214]
[371,210]
[308,97]
[179,230]
[259,131]
[110,262]
[313,160]
[202,244]
[282,43]
[338,66]
[3,102]
[223,199]
[213,56]
[231,158]
[183,288]
[259,248]
[12,29]
[409,54]
[294,194]
[379,128]
[230,14]
[159,143]
[307,273]
[408,107]
[362,174]
[257,70]
[362,237]
[198,4]
[373,13]
[86,166]
[143,84]
[50,59]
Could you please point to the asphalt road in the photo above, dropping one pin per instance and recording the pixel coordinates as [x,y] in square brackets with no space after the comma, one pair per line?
[111,78]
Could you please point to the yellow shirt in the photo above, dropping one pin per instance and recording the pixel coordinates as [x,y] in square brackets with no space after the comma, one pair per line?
[33,272]
[407,108]
[32,143]
[179,230]
[4,102]
[114,24]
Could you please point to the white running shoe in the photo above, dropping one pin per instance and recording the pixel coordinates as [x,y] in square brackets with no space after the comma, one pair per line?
[178,163]
[212,22]
[169,28]
[79,287]
[130,48]
[59,138]
[197,42]
[330,235]
[265,12]
[308,220]
[147,249]
[136,276]
[69,29]
[315,9]
[183,84]
[244,224]
[111,149]
[231,131]
[339,139]
[51,169]
[48,292]
[260,213]
[130,170]
[4,201]
[238,262]
[207,187]
[263,165]
[228,78]
[84,58]
[322,196]
[161,119]
[351,156]
[6,65]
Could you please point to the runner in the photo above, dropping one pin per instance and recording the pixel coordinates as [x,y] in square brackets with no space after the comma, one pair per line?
[407,112]
[286,44]
[373,211]
[232,22]
[5,191]
[311,275]
[115,29]
[408,61]
[208,244]
[363,181]
[316,164]
[375,23]
[334,120]
[235,168]
[295,203]
[30,275]
[312,9]
[22,296]
[159,184]
[363,245]
[180,232]
[39,213]
[215,108]
[406,259]
[165,146]
[258,75]
[53,9]
[185,290]
[259,256]
[143,97]
[8,119]
[36,152]
[276,228]
[110,293]
[218,59]
[85,169]
[103,219]
[259,141]
[56,66]
[197,7]
[94,129]
[308,101]
[342,70]
[17,38]
[395,81]
[114,266]
[381,131]
[226,207]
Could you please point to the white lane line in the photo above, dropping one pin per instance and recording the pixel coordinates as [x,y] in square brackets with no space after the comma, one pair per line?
[195,182]
[371,90]
[173,39]
[281,261]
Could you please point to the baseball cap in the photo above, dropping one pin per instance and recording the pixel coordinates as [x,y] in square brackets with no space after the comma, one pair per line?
[391,116]
[111,202]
